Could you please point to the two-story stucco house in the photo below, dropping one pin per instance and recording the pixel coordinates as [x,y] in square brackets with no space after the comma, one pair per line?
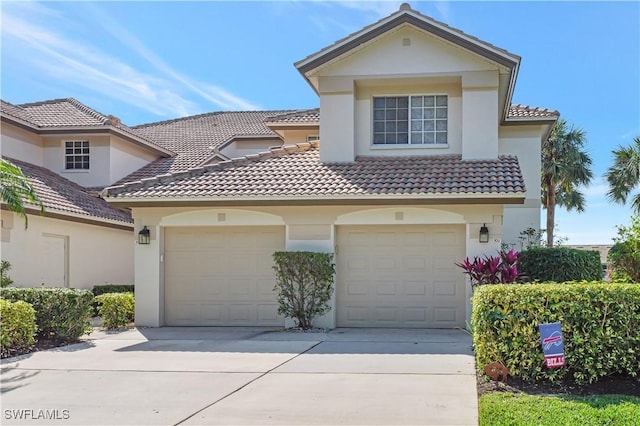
[415,147]
[71,152]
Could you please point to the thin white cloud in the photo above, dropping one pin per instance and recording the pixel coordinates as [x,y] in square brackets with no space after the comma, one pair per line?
[597,189]
[212,93]
[30,39]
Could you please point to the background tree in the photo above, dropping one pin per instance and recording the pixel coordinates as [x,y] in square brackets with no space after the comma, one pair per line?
[624,175]
[15,190]
[624,256]
[565,166]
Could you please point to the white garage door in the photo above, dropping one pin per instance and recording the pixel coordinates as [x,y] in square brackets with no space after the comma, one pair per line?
[221,276]
[400,276]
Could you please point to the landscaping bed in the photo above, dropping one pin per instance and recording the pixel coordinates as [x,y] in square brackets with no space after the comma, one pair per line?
[620,385]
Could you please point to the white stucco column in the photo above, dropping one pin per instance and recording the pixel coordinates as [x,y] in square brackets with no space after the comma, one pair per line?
[480,116]
[337,124]
[149,274]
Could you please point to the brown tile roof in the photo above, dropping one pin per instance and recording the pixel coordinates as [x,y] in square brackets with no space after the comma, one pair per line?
[68,113]
[60,195]
[300,116]
[63,113]
[195,139]
[295,171]
[523,111]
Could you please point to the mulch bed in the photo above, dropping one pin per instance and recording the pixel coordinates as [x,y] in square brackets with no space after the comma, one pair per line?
[40,345]
[621,385]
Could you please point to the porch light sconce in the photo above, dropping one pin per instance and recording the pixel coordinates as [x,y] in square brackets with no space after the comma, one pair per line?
[144,236]
[484,234]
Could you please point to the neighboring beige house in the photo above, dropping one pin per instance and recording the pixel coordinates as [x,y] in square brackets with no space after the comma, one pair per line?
[71,152]
[415,147]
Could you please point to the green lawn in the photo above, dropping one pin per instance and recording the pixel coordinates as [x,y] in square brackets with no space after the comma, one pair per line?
[502,408]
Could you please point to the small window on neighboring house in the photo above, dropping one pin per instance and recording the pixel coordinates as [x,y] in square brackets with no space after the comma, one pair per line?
[76,155]
[414,120]
[312,138]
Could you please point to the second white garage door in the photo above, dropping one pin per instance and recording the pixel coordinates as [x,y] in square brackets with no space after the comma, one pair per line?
[221,276]
[400,276]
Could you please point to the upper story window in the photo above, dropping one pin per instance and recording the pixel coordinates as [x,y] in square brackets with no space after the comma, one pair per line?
[414,120]
[313,138]
[76,155]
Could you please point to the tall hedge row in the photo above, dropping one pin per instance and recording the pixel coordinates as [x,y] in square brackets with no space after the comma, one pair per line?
[61,313]
[560,264]
[600,325]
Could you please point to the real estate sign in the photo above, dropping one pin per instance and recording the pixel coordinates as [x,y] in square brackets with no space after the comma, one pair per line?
[552,344]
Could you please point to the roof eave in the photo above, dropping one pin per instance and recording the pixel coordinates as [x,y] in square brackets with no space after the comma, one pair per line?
[393,199]
[366,34]
[59,130]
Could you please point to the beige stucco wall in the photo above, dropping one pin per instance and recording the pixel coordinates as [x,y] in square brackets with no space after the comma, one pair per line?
[125,158]
[306,228]
[292,136]
[99,160]
[21,144]
[525,143]
[240,148]
[95,254]
[366,90]
[408,61]
[389,55]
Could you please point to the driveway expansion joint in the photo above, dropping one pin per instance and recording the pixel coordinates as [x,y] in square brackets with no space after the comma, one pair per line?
[245,385]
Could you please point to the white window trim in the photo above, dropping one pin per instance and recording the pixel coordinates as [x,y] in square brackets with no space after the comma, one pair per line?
[409,145]
[313,138]
[64,156]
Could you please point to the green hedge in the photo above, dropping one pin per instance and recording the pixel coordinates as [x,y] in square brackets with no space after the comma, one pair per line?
[61,313]
[110,288]
[17,325]
[113,288]
[116,309]
[560,264]
[600,326]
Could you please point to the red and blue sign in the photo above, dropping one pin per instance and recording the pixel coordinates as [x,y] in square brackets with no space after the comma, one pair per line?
[552,344]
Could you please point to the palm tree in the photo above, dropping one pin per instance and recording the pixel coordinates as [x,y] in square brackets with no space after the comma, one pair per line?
[565,166]
[624,175]
[15,190]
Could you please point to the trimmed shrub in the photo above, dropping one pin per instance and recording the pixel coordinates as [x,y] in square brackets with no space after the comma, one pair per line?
[61,313]
[116,309]
[304,282]
[110,288]
[560,264]
[113,288]
[17,325]
[600,326]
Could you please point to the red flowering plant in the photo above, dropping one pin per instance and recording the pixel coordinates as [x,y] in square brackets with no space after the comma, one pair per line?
[502,269]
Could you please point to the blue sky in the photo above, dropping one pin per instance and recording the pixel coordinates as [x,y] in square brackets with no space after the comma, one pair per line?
[151,61]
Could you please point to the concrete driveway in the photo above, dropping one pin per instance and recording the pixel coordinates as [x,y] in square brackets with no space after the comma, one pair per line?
[247,376]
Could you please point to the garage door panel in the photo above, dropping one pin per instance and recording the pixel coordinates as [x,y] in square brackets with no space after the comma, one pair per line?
[445,315]
[444,288]
[221,276]
[211,313]
[400,276]
[415,239]
[384,263]
[416,288]
[268,313]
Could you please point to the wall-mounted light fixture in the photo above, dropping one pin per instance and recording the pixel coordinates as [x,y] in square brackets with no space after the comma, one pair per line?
[484,234]
[144,236]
